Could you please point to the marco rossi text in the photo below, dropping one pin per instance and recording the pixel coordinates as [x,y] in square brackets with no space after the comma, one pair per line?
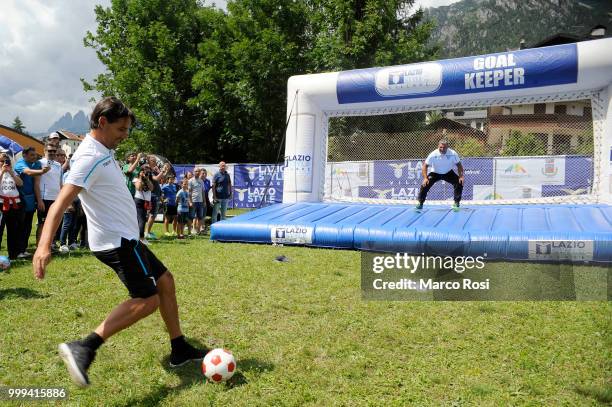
[393,266]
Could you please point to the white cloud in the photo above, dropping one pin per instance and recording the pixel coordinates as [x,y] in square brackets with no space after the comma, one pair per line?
[42,58]
[433,3]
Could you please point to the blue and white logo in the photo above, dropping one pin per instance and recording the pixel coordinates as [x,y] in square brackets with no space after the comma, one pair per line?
[409,79]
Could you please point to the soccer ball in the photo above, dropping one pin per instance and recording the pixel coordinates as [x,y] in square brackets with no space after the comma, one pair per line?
[5,263]
[218,365]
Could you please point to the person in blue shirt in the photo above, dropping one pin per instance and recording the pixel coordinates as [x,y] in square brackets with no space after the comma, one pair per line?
[169,191]
[207,187]
[182,202]
[29,170]
[222,192]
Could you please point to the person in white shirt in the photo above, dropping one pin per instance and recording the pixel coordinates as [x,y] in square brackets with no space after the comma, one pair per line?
[50,185]
[97,178]
[142,198]
[440,165]
[12,208]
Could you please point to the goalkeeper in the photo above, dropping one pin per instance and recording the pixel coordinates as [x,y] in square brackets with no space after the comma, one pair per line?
[439,165]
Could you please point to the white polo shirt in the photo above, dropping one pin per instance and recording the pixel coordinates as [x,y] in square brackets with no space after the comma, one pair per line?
[106,200]
[51,181]
[442,163]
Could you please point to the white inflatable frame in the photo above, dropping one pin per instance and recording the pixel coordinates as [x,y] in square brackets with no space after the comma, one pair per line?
[313,99]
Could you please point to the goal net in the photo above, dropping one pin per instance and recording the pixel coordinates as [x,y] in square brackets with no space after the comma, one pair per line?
[524,150]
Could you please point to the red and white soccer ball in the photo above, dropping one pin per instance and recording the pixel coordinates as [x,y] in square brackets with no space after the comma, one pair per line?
[218,365]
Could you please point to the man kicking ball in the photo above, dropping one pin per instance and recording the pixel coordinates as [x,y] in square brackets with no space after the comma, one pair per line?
[441,162]
[113,237]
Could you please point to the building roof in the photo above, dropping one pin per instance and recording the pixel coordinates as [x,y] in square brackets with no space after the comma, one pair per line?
[24,140]
[65,134]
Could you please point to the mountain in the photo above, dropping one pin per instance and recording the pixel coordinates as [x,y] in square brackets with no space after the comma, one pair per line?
[473,27]
[78,124]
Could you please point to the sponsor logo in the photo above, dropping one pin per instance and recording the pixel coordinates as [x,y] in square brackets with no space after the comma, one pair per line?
[292,234]
[515,169]
[493,196]
[409,79]
[241,193]
[550,170]
[252,171]
[408,170]
[398,169]
[254,194]
[297,157]
[577,191]
[382,193]
[580,250]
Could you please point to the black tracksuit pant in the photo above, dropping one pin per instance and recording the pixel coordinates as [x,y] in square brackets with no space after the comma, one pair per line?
[449,177]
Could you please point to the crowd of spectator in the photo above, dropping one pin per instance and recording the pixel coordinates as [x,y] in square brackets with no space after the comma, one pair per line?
[185,203]
[30,185]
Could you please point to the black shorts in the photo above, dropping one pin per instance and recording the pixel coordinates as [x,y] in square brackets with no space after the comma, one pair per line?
[42,215]
[155,204]
[183,217]
[170,210]
[135,265]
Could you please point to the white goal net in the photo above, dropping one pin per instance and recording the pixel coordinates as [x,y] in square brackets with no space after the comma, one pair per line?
[545,149]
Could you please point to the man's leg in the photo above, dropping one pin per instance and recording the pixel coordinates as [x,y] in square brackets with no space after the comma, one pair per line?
[79,355]
[223,208]
[433,178]
[182,352]
[215,211]
[168,307]
[453,179]
[27,229]
[127,314]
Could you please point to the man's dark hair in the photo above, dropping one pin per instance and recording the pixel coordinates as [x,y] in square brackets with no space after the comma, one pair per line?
[111,108]
[28,150]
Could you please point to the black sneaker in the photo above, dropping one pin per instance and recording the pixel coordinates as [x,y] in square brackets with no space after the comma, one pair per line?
[77,359]
[186,354]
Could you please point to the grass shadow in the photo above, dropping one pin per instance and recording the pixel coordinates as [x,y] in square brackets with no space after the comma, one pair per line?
[247,365]
[191,373]
[20,292]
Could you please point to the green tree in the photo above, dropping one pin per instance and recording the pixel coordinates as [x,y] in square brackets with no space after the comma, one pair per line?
[149,49]
[520,144]
[207,85]
[348,34]
[243,68]
[18,125]
[470,147]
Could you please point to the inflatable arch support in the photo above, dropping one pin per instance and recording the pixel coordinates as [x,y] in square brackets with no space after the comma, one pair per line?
[563,72]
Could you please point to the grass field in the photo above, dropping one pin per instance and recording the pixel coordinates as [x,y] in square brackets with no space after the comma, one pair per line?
[302,335]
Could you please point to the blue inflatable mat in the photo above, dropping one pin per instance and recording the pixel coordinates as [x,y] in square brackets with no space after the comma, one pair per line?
[513,232]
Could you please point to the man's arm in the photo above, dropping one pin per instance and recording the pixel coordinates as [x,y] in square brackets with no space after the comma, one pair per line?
[42,257]
[424,173]
[37,195]
[229,184]
[460,169]
[35,173]
[214,188]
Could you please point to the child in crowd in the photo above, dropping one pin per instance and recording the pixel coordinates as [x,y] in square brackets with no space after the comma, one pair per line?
[169,191]
[182,201]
